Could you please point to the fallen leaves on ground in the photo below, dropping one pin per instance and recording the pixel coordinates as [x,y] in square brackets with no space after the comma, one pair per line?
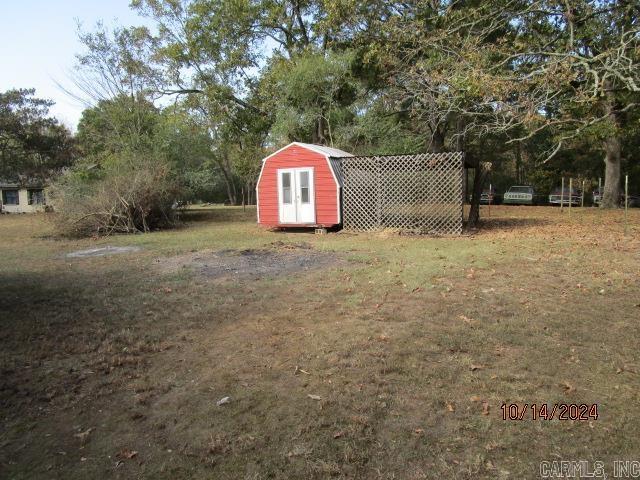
[568,388]
[466,319]
[128,454]
[83,436]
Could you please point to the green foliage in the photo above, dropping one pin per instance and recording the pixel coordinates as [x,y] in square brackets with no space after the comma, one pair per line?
[311,95]
[378,131]
[32,144]
[511,84]
[118,124]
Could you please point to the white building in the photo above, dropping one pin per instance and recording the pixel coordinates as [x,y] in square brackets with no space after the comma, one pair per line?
[21,199]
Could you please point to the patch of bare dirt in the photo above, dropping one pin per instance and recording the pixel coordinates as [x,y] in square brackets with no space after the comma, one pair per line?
[102,251]
[275,259]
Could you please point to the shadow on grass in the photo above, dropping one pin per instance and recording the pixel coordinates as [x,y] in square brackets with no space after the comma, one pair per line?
[507,224]
[217,214]
[32,299]
[288,230]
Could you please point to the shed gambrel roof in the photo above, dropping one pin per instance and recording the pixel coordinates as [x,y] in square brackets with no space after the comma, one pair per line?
[336,166]
[333,156]
[328,151]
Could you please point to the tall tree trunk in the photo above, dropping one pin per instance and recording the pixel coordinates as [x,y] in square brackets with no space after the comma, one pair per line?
[480,176]
[228,180]
[519,176]
[437,139]
[612,148]
[611,195]
[252,192]
[319,132]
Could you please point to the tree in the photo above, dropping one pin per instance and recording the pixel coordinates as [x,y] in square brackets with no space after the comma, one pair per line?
[190,149]
[544,83]
[121,123]
[207,51]
[520,68]
[115,63]
[213,52]
[311,95]
[32,143]
[127,181]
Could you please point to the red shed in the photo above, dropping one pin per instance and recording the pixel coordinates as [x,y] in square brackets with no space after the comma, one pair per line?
[299,185]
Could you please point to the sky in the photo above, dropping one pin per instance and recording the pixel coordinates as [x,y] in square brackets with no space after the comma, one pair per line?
[38,44]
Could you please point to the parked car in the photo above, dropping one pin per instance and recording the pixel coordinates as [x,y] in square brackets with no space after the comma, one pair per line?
[490,197]
[573,196]
[634,200]
[519,195]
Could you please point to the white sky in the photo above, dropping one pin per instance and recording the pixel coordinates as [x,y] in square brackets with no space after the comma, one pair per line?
[38,44]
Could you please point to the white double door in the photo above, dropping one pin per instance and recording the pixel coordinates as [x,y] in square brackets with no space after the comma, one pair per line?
[296,198]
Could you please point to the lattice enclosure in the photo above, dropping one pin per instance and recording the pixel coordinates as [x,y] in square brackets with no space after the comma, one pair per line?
[417,193]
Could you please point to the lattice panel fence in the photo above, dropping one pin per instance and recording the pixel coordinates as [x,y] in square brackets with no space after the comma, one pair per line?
[417,193]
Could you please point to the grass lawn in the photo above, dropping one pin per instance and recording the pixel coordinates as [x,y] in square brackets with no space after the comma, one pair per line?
[390,359]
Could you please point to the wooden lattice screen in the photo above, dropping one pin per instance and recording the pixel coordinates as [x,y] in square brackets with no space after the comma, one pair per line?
[417,193]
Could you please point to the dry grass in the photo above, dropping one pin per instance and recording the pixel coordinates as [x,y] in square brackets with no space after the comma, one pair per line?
[392,363]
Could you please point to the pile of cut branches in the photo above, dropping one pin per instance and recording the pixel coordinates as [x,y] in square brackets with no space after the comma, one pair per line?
[129,199]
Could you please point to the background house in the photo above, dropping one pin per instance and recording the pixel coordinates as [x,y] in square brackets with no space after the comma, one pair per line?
[15,198]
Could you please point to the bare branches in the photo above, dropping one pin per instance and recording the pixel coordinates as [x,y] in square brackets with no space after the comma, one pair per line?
[513,66]
[133,200]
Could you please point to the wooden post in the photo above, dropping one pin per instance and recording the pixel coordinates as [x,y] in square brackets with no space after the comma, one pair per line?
[570,193]
[626,204]
[466,184]
[562,195]
[582,197]
[600,190]
[489,200]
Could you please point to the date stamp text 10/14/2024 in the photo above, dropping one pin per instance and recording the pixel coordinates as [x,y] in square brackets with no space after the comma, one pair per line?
[544,411]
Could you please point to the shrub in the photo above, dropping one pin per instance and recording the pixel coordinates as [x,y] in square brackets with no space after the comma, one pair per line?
[128,194]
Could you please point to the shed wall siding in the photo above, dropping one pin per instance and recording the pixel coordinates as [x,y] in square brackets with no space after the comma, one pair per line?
[326,194]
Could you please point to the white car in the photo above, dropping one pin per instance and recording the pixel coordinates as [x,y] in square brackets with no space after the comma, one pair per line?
[519,195]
